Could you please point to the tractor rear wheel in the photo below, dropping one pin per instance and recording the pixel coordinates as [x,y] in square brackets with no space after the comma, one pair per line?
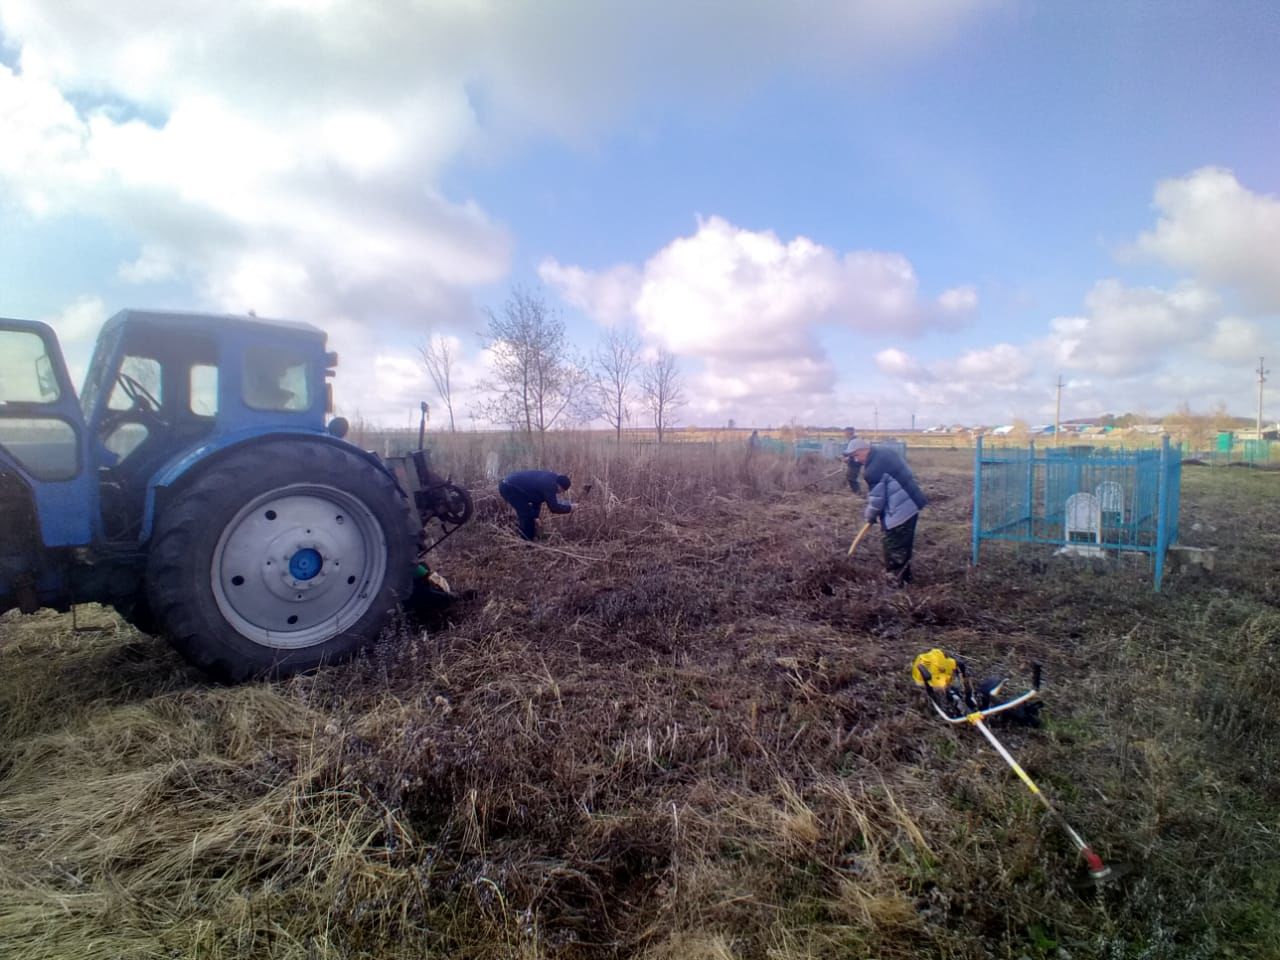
[279,558]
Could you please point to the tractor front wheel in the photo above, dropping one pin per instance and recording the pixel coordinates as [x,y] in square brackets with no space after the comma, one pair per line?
[280,557]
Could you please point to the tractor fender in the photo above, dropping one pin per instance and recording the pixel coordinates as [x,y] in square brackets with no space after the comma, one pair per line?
[189,463]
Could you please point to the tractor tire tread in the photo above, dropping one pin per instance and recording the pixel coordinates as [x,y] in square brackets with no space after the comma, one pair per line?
[220,489]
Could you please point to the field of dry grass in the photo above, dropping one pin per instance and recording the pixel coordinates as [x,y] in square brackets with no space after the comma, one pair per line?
[680,726]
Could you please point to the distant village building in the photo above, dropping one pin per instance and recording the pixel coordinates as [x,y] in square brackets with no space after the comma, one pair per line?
[1268,433]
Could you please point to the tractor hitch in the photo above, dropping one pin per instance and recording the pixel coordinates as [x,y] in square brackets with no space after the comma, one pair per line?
[435,497]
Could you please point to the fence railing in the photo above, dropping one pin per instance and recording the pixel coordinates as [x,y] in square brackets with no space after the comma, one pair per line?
[1085,499]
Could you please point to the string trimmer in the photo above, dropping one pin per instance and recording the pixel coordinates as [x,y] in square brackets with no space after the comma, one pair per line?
[935,673]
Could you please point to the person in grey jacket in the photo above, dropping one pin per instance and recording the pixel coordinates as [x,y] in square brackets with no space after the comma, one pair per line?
[895,500]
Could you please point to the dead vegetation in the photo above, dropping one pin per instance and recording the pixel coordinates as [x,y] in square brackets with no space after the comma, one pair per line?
[681,726]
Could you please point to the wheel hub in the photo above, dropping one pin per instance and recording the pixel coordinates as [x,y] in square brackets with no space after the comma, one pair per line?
[298,565]
[305,564]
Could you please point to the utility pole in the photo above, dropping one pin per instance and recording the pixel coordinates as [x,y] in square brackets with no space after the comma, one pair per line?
[1262,378]
[913,422]
[1057,415]
[875,406]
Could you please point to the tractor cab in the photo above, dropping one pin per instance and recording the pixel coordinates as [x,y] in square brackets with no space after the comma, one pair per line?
[163,390]
[194,486]
[164,387]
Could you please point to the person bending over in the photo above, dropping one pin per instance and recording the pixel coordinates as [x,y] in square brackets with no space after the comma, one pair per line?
[528,490]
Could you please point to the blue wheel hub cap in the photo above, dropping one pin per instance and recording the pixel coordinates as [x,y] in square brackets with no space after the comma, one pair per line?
[305,564]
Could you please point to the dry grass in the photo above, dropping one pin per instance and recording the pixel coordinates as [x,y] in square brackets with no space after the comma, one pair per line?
[679,727]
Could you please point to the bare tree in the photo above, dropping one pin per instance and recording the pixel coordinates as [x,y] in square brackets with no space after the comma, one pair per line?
[663,390]
[437,356]
[616,362]
[538,382]
[1190,428]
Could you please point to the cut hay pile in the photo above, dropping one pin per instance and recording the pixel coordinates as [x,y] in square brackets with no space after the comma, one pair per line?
[681,726]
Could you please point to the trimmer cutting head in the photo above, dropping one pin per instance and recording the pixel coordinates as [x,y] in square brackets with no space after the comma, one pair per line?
[1098,874]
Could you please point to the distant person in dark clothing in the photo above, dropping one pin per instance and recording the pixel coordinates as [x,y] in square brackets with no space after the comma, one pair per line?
[528,490]
[850,435]
[895,500]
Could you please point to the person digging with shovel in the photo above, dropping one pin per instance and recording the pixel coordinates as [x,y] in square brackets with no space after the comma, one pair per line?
[894,499]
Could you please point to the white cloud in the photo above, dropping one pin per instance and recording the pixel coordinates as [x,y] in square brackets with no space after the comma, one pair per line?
[243,205]
[560,65]
[1140,349]
[382,378]
[958,301]
[608,295]
[804,386]
[747,306]
[897,363]
[1128,330]
[288,156]
[1220,231]
[153,264]
[999,367]
[77,326]
[1238,341]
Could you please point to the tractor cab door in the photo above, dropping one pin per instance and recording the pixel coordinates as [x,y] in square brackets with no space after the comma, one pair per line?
[151,394]
[43,444]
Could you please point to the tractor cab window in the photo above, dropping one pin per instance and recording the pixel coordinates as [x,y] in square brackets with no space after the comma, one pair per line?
[138,386]
[126,437]
[45,446]
[203,393]
[275,378]
[26,371]
[135,406]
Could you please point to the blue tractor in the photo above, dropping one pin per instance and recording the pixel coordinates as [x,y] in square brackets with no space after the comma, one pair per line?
[195,486]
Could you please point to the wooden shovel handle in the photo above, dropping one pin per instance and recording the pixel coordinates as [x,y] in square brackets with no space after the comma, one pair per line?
[858,539]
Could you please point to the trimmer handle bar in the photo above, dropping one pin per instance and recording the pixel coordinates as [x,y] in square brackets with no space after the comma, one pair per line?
[974,715]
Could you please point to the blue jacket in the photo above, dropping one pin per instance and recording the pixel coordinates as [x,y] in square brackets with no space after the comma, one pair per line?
[893,495]
[540,486]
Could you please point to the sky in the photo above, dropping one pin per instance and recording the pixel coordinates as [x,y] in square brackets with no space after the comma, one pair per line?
[867,212]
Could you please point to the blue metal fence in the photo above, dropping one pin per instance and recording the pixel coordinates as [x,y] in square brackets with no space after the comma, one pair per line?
[1022,495]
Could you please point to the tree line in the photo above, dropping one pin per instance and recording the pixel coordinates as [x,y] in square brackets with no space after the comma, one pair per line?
[539,381]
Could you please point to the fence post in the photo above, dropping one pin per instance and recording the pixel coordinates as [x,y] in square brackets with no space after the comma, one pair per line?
[1162,508]
[1031,486]
[977,497]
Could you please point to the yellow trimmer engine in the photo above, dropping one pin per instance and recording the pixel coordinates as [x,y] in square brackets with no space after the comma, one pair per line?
[939,669]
